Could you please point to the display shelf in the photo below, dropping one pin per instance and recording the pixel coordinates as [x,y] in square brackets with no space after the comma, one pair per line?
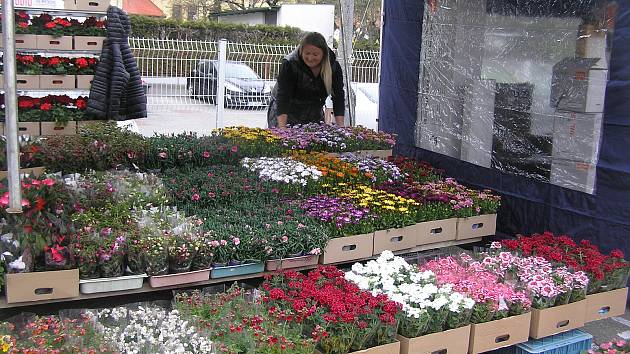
[146,288]
[69,92]
[70,54]
[61,12]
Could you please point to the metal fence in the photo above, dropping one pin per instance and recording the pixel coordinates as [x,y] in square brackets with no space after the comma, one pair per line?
[182,76]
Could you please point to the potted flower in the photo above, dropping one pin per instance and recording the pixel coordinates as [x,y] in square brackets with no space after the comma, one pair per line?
[157,254]
[111,255]
[52,33]
[90,34]
[204,252]
[86,253]
[136,253]
[181,252]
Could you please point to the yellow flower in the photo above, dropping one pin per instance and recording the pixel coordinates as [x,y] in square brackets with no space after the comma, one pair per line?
[389,207]
[403,209]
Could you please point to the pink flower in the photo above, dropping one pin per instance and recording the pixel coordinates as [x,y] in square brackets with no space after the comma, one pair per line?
[285,239]
[195,197]
[4,201]
[49,182]
[236,241]
[606,345]
[620,343]
[162,155]
[316,251]
[234,149]
[206,154]
[223,242]
[214,243]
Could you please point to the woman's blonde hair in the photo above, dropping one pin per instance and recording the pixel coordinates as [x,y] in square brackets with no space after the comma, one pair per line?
[317,40]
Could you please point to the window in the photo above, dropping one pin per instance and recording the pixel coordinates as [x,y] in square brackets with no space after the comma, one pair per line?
[516,85]
[191,12]
[177,12]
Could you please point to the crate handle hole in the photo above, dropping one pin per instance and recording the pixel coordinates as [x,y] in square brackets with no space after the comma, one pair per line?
[55,42]
[22,129]
[21,41]
[59,128]
[562,324]
[92,43]
[502,338]
[93,3]
[604,310]
[477,226]
[43,291]
[57,82]
[349,248]
[441,351]
[396,239]
[21,81]
[437,230]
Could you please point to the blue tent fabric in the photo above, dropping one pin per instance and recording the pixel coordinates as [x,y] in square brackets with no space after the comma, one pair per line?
[528,206]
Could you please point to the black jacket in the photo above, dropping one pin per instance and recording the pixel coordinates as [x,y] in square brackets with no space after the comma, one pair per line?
[117,92]
[301,95]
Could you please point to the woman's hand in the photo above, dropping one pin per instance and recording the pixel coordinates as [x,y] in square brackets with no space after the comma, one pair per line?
[282,121]
[340,120]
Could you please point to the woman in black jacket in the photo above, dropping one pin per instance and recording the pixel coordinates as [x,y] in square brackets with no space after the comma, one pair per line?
[307,76]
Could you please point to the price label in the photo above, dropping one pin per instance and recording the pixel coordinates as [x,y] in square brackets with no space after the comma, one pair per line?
[39,4]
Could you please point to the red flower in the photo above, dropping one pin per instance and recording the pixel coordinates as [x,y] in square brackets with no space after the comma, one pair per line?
[22,24]
[23,14]
[81,63]
[54,61]
[81,103]
[617,253]
[276,294]
[46,107]
[50,25]
[25,103]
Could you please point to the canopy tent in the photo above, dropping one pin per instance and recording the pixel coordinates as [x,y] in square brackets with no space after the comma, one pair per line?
[528,206]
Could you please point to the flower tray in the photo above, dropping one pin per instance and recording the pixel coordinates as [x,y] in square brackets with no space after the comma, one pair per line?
[29,128]
[158,281]
[436,231]
[605,305]
[476,226]
[103,285]
[498,334]
[454,341]
[557,319]
[294,262]
[23,41]
[37,286]
[391,348]
[231,271]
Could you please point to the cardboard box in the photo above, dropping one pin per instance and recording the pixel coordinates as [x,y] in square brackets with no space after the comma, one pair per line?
[24,41]
[557,319]
[26,82]
[56,81]
[391,348]
[92,5]
[436,231]
[84,81]
[591,43]
[383,154]
[28,128]
[52,128]
[605,305]
[577,87]
[348,248]
[395,239]
[37,171]
[88,43]
[577,136]
[54,43]
[69,5]
[498,334]
[25,287]
[576,175]
[476,226]
[454,341]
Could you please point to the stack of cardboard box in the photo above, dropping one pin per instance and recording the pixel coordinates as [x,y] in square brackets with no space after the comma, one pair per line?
[577,92]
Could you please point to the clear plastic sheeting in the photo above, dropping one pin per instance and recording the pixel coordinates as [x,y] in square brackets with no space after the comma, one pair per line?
[516,85]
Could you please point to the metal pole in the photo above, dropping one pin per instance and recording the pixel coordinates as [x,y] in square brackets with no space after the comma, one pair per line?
[220,99]
[347,33]
[10,107]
